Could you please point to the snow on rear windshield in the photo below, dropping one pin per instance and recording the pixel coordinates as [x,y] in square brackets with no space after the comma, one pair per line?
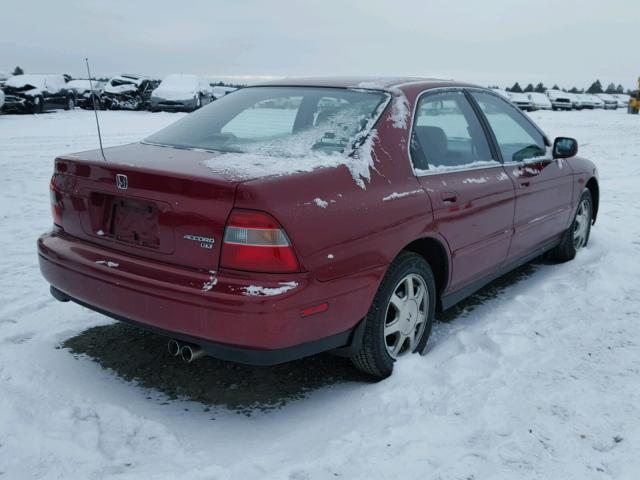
[277,122]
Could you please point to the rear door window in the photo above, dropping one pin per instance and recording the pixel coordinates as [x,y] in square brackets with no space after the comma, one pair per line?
[518,139]
[447,134]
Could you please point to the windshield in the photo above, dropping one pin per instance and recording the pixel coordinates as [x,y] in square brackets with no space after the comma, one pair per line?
[277,121]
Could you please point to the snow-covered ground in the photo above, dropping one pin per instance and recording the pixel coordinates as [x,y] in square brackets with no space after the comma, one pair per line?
[537,379]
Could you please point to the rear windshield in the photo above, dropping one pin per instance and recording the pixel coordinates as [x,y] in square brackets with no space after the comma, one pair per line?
[277,121]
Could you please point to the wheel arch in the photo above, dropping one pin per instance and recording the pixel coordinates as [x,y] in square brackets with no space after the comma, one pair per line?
[433,250]
[594,189]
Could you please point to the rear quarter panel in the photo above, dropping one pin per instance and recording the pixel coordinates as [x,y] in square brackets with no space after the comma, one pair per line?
[338,228]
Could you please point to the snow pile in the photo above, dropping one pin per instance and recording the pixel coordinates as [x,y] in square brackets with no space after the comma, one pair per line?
[257,291]
[321,203]
[291,155]
[212,282]
[450,168]
[396,195]
[108,263]
[476,180]
[400,110]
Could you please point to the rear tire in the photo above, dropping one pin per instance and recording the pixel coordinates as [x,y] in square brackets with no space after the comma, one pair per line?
[400,317]
[577,235]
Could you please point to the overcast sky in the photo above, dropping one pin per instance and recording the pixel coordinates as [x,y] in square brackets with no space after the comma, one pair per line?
[487,42]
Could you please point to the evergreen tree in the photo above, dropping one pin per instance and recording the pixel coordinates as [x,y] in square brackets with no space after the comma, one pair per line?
[540,88]
[619,89]
[574,90]
[18,71]
[516,88]
[555,87]
[529,88]
[596,87]
[611,88]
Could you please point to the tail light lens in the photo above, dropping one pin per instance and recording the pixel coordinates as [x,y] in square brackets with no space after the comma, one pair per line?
[56,203]
[256,242]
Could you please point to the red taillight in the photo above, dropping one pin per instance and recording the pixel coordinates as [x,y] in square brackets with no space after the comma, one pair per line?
[56,203]
[255,242]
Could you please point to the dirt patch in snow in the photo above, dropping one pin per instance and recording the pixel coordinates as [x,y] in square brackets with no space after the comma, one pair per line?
[141,357]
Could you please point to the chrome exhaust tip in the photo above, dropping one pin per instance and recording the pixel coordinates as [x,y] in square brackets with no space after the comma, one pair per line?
[189,353]
[174,347]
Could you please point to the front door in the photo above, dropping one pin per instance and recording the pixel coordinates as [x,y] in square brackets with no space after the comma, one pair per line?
[471,194]
[543,185]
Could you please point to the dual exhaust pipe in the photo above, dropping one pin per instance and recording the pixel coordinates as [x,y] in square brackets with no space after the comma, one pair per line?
[186,351]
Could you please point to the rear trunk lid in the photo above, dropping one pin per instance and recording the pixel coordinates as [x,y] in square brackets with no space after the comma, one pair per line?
[149,201]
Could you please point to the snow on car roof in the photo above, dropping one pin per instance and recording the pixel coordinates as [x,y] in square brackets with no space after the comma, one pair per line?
[35,79]
[180,81]
[376,83]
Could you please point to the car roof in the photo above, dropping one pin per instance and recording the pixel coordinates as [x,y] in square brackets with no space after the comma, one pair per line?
[367,82]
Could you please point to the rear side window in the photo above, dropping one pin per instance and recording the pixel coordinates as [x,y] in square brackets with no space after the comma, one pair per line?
[517,138]
[447,134]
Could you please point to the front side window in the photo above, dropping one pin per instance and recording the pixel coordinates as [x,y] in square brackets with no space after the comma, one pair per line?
[517,138]
[447,133]
[278,121]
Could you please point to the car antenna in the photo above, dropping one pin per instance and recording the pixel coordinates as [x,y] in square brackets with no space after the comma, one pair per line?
[95,108]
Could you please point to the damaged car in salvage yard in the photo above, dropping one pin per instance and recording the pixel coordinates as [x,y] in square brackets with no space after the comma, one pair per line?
[310,215]
[128,92]
[35,93]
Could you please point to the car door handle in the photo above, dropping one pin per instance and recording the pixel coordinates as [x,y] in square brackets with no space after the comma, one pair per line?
[449,197]
[525,183]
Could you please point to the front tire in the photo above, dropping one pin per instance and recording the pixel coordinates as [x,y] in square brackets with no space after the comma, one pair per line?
[577,236]
[400,318]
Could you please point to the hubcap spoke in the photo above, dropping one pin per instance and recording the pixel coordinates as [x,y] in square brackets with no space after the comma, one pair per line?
[392,328]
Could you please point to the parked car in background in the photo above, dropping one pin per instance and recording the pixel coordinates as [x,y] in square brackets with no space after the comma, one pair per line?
[575,101]
[220,91]
[623,99]
[560,100]
[85,95]
[521,100]
[35,93]
[609,101]
[597,101]
[241,231]
[585,101]
[181,92]
[539,101]
[1,100]
[128,92]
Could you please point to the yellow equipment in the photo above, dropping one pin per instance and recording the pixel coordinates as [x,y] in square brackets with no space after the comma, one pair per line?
[634,101]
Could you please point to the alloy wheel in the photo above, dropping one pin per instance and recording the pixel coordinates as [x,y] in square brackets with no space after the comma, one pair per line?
[581,224]
[406,315]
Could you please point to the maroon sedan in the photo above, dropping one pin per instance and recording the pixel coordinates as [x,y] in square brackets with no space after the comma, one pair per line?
[302,216]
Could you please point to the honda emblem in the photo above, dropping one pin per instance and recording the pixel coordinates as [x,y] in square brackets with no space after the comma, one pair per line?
[122,182]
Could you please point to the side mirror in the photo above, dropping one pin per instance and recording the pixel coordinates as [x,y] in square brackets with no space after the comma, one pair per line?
[564,147]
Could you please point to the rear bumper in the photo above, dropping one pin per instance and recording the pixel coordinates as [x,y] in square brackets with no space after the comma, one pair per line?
[224,320]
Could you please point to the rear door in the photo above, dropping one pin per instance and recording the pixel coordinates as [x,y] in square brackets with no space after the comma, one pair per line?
[543,185]
[472,196]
